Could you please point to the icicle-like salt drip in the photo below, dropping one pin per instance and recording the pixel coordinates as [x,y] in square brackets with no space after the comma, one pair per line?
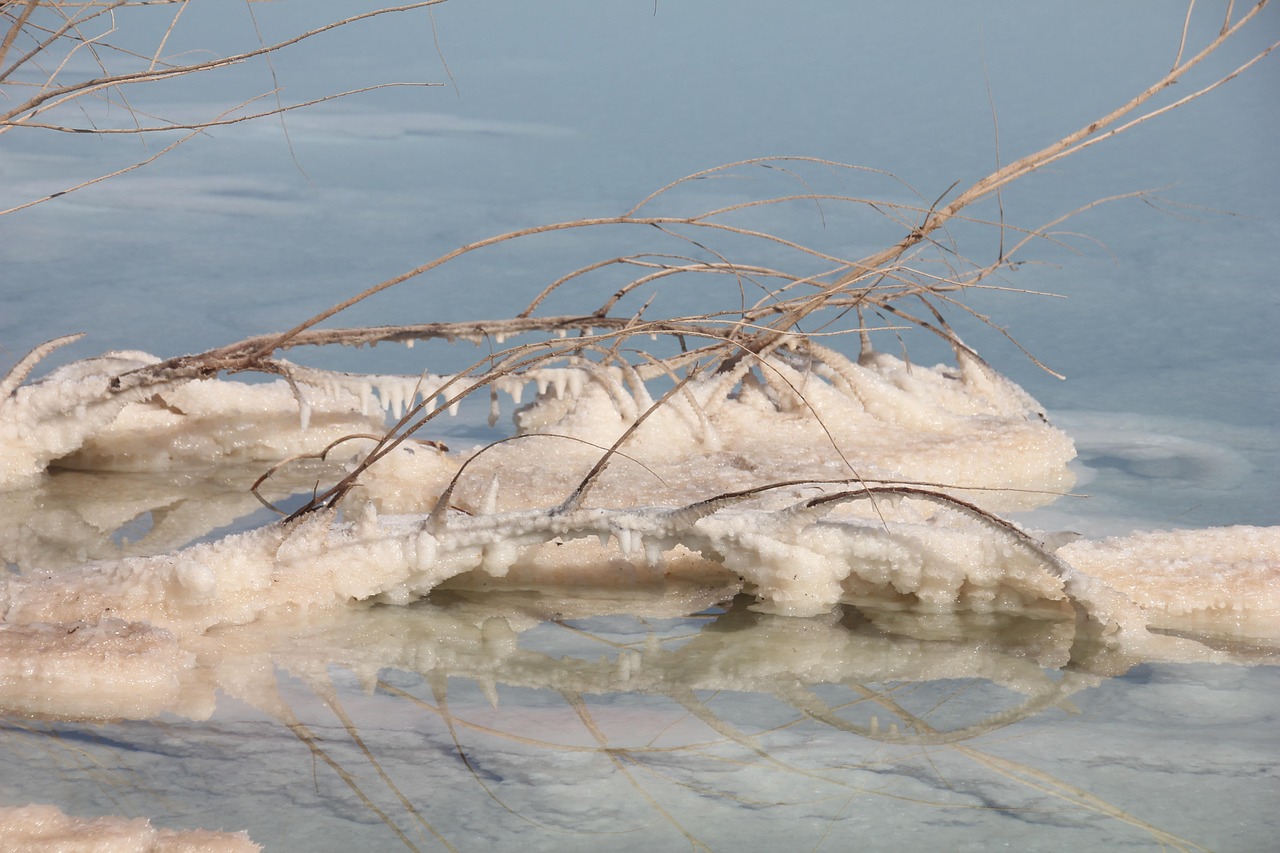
[639,391]
[497,556]
[367,526]
[623,402]
[366,396]
[513,385]
[489,505]
[304,409]
[623,535]
[495,410]
[425,547]
[577,379]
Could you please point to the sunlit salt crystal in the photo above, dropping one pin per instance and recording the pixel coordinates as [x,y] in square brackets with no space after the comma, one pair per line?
[196,578]
[424,551]
[497,557]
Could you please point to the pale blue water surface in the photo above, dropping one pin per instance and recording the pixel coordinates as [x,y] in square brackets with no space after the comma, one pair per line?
[564,110]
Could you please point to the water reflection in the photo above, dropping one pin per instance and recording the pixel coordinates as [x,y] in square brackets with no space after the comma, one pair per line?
[70,517]
[647,718]
[474,719]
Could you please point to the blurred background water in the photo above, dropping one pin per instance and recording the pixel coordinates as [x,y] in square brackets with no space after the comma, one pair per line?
[552,112]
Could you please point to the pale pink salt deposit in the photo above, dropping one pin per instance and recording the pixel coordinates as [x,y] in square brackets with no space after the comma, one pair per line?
[42,828]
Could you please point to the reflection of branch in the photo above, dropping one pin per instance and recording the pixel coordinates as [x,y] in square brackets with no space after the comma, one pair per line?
[580,708]
[1026,775]
[330,698]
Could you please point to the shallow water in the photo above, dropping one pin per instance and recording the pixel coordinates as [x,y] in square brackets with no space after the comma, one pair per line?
[716,734]
[936,740]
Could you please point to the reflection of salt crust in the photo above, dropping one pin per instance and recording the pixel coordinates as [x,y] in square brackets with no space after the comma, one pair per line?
[76,670]
[1221,580]
[32,828]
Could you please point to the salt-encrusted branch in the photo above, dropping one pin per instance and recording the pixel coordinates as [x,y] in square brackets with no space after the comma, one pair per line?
[20,371]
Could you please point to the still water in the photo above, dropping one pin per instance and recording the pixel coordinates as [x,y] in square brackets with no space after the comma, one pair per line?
[635,722]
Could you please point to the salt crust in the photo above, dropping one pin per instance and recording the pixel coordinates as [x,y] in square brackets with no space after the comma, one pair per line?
[814,417]
[132,637]
[43,828]
[72,418]
[810,416]
[1222,580]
